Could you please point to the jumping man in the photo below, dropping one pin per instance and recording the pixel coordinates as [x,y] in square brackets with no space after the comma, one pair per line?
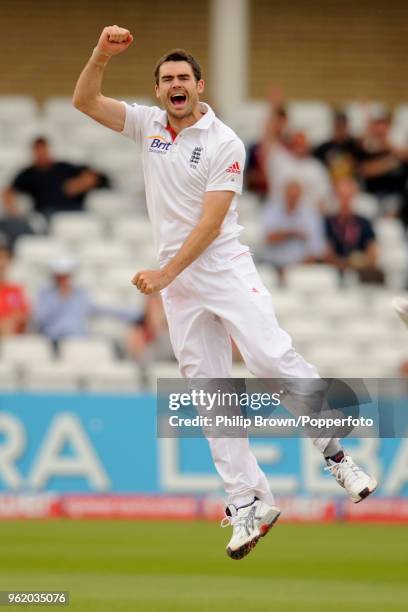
[193,165]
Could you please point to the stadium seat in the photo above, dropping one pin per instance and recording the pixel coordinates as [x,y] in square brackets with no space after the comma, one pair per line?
[89,278]
[109,328]
[380,302]
[24,132]
[75,228]
[360,367]
[109,205]
[17,109]
[331,359]
[39,251]
[25,350]
[13,157]
[93,138]
[312,278]
[399,130]
[117,158]
[393,251]
[8,377]
[84,352]
[51,377]
[144,258]
[307,330]
[101,254]
[312,117]
[60,111]
[248,120]
[287,304]
[72,153]
[366,205]
[135,230]
[269,276]
[30,278]
[337,305]
[367,331]
[114,378]
[119,279]
[389,231]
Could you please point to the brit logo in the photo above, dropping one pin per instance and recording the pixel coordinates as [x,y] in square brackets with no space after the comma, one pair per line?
[195,157]
[234,168]
[158,144]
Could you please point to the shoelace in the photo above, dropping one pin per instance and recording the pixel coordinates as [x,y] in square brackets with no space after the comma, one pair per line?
[237,522]
[345,464]
[245,523]
[230,520]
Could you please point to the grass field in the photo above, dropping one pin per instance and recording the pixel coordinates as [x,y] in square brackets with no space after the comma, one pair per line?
[152,566]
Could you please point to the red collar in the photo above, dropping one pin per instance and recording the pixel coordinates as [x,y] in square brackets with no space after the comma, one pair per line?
[172,132]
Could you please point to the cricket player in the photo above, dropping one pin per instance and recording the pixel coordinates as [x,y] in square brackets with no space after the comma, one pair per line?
[193,165]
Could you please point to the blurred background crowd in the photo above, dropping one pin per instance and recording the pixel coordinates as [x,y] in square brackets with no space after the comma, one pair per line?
[325,206]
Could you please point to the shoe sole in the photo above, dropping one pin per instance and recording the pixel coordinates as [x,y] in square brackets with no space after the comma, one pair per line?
[366,492]
[246,548]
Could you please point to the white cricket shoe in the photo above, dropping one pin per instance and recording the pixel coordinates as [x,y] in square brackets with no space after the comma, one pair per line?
[357,483]
[249,523]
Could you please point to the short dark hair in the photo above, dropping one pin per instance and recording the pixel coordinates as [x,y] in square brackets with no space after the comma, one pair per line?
[340,115]
[178,55]
[39,140]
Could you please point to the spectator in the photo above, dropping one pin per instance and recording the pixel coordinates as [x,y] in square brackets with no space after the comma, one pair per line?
[294,230]
[256,179]
[54,186]
[63,310]
[339,153]
[276,130]
[311,172]
[351,238]
[14,309]
[382,166]
[283,161]
[149,338]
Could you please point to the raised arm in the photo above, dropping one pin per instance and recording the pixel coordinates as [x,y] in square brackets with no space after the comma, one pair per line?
[87,95]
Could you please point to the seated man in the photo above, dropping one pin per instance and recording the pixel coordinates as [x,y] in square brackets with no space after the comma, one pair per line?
[294,231]
[351,237]
[63,310]
[55,186]
[14,309]
[382,166]
[338,154]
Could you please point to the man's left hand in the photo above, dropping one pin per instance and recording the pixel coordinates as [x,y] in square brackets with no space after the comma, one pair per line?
[150,281]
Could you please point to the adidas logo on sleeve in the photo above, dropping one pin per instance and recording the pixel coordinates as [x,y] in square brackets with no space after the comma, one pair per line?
[234,168]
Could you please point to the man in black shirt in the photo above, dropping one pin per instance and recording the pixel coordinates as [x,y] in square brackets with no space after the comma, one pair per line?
[339,153]
[54,186]
[351,237]
[382,166]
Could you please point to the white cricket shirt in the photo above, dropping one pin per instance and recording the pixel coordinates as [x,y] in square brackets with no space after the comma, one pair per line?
[207,156]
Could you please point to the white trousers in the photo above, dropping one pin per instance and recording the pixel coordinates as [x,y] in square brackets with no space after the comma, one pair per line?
[218,297]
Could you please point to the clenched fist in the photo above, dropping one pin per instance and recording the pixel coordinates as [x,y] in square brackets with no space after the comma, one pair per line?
[150,281]
[114,40]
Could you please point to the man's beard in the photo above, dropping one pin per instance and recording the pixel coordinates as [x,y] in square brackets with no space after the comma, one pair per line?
[187,113]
